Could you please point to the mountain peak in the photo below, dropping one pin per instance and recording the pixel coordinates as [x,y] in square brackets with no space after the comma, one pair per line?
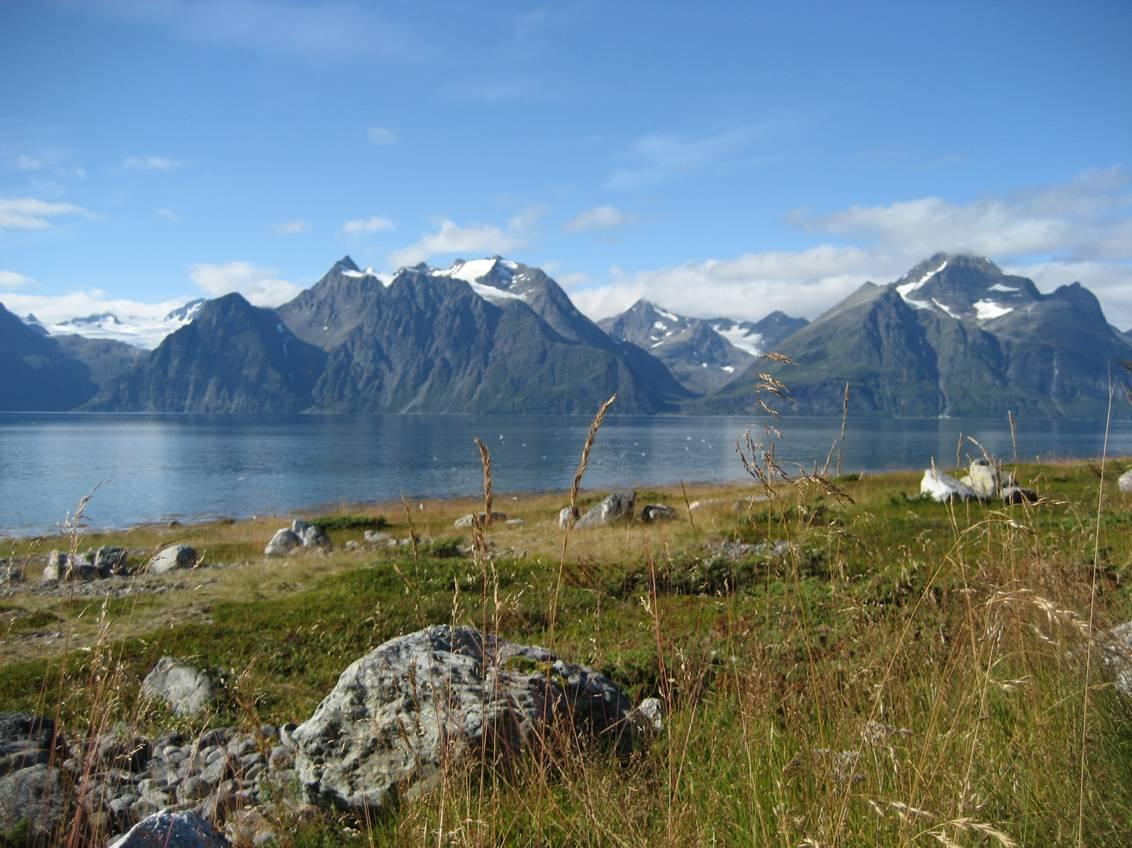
[345,264]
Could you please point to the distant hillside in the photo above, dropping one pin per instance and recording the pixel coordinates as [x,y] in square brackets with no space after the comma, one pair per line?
[703,354]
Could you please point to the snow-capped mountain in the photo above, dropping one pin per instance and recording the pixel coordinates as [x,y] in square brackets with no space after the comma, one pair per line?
[488,335]
[955,336]
[704,354]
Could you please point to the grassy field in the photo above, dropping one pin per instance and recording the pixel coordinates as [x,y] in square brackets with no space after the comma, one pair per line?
[906,673]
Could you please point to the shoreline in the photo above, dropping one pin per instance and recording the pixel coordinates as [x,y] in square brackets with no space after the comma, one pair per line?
[313,511]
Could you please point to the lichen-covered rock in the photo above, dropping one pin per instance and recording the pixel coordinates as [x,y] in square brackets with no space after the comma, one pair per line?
[186,690]
[616,507]
[417,702]
[172,558]
[171,830]
[1117,653]
[566,515]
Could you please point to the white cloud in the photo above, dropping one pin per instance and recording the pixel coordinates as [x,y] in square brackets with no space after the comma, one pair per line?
[1080,229]
[28,163]
[599,218]
[290,228]
[54,309]
[655,158]
[167,214]
[381,135]
[14,280]
[451,238]
[1085,216]
[747,287]
[375,224]
[29,213]
[150,163]
[259,285]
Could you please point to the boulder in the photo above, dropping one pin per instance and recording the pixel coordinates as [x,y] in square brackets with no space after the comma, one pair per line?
[110,560]
[616,507]
[466,521]
[282,543]
[62,566]
[167,829]
[31,790]
[310,535]
[654,513]
[183,688]
[942,487]
[566,515]
[420,701]
[377,537]
[172,558]
[648,716]
[1124,481]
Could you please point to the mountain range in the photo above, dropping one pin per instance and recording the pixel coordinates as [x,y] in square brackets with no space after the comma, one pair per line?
[955,336]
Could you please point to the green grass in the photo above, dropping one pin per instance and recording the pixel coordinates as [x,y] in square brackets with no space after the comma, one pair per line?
[960,629]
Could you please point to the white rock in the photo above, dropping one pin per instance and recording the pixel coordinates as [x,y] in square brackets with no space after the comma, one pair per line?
[942,487]
[186,690]
[171,558]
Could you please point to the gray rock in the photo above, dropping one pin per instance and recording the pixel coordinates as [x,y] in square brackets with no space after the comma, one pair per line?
[566,515]
[376,537]
[1017,495]
[654,513]
[121,749]
[61,566]
[171,830]
[465,521]
[942,487]
[183,688]
[310,535]
[33,795]
[172,558]
[1124,481]
[109,560]
[618,506]
[514,522]
[31,789]
[282,543]
[428,698]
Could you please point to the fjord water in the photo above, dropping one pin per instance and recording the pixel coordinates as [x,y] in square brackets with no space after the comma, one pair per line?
[191,467]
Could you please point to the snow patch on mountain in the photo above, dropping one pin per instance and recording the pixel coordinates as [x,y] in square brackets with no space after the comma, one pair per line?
[999,287]
[905,289]
[740,338]
[986,310]
[385,279]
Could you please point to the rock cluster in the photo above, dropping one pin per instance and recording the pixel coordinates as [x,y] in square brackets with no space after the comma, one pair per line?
[616,508]
[983,482]
[120,779]
[299,535]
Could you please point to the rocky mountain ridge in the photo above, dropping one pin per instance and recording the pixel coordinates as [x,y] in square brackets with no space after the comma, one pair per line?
[955,336]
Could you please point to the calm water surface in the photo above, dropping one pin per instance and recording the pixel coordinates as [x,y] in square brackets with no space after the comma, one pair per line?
[158,467]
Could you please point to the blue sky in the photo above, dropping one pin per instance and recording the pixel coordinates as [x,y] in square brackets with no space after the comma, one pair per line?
[719,158]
